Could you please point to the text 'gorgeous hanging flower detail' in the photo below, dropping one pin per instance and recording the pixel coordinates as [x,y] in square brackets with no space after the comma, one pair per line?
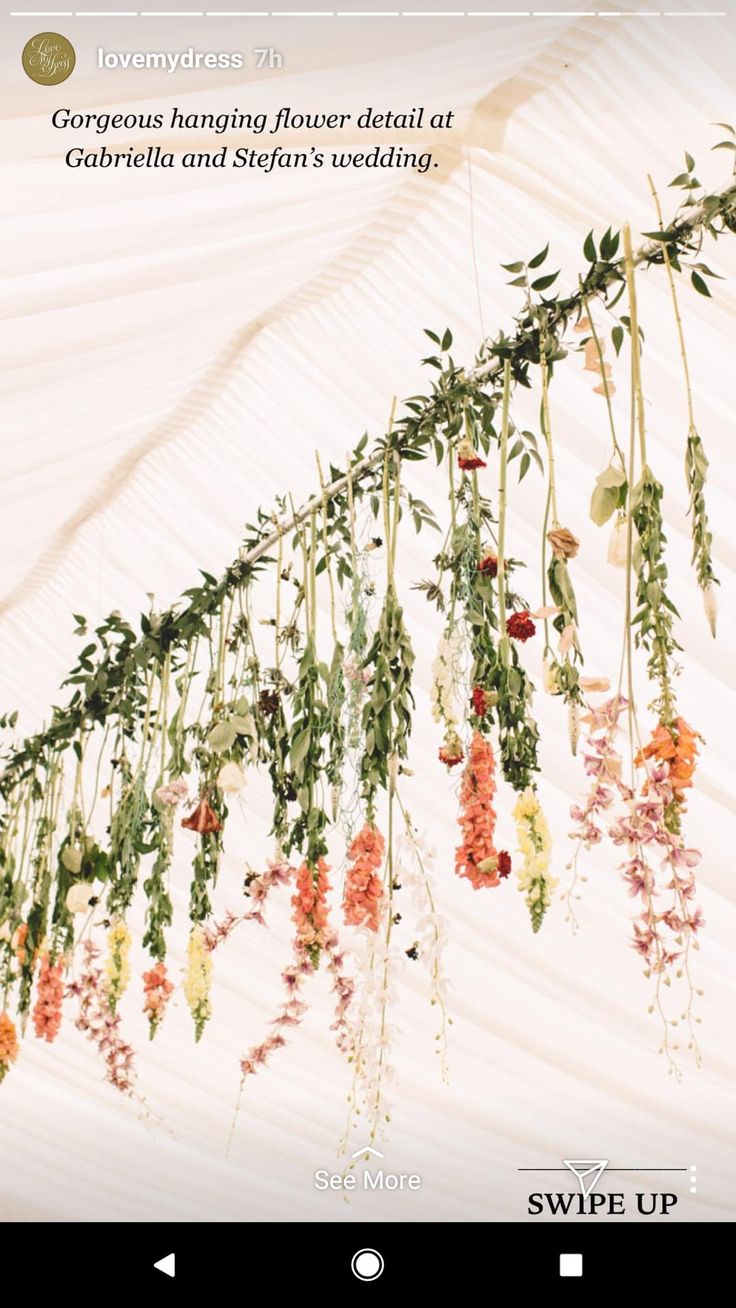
[476,858]
[49,998]
[535,847]
[363,897]
[198,980]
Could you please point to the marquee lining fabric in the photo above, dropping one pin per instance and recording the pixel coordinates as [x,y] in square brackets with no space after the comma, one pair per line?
[172,354]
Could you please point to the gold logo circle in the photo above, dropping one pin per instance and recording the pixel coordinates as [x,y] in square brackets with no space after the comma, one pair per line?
[48,58]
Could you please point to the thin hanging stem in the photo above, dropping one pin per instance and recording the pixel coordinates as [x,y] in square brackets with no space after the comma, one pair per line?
[326,546]
[676,308]
[502,498]
[635,344]
[604,379]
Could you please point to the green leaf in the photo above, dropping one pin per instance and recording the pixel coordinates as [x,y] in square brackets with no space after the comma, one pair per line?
[610,477]
[446,340]
[513,267]
[539,258]
[699,284]
[300,748]
[617,336]
[603,504]
[221,737]
[589,249]
[542,283]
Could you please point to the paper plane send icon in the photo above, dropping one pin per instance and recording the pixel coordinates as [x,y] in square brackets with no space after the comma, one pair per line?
[588,1172]
[167,1265]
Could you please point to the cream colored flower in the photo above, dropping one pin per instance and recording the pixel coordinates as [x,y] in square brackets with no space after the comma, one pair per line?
[72,859]
[231,779]
[618,544]
[593,684]
[549,678]
[710,604]
[567,639]
[79,897]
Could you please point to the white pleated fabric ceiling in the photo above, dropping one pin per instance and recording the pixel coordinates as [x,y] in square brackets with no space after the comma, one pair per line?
[174,348]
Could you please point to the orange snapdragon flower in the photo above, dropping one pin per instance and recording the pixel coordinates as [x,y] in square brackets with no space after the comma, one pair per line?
[476,858]
[362,901]
[9,1047]
[310,905]
[678,748]
[49,998]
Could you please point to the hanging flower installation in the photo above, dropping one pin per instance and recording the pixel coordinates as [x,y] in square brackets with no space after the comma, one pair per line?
[166,723]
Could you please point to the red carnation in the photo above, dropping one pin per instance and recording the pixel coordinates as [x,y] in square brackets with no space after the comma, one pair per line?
[488,564]
[520,626]
[504,863]
[480,701]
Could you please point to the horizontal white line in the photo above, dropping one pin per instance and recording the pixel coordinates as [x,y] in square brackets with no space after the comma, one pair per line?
[362,13]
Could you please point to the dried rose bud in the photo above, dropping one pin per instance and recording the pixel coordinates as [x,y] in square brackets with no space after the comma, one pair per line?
[564,544]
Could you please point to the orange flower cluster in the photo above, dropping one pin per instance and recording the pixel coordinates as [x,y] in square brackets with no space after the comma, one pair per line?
[362,901]
[49,996]
[476,857]
[8,1044]
[310,906]
[157,990]
[19,944]
[678,748]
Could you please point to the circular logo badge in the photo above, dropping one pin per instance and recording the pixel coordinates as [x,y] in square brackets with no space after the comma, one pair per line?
[48,58]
